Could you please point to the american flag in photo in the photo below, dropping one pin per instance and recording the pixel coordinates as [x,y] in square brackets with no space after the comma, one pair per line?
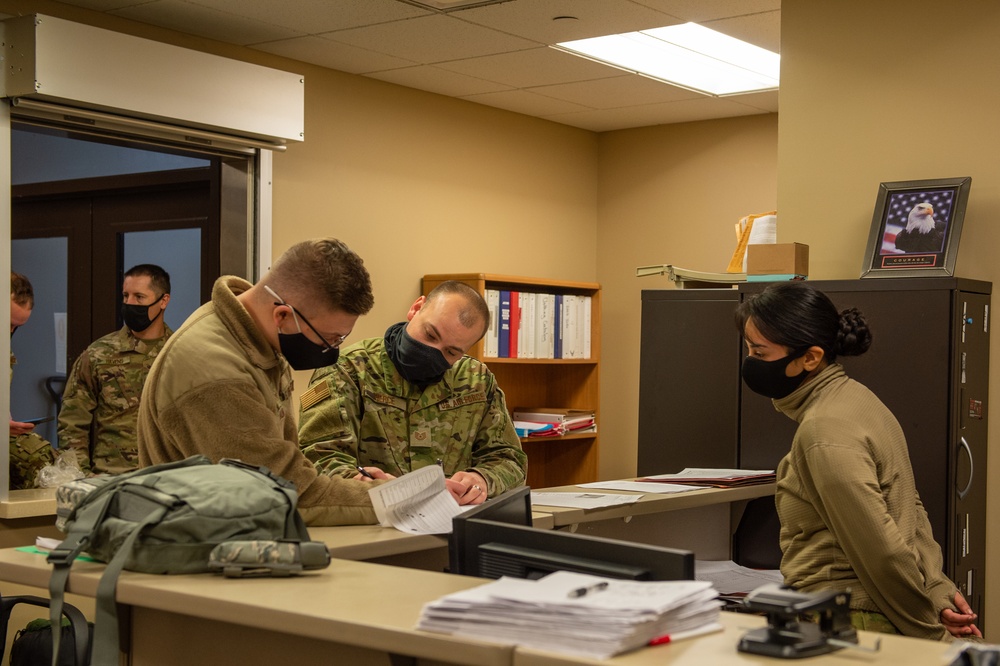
[901,203]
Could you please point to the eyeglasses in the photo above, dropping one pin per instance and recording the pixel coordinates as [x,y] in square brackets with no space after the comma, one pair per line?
[296,315]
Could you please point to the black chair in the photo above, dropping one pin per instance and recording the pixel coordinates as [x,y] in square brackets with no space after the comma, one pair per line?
[80,630]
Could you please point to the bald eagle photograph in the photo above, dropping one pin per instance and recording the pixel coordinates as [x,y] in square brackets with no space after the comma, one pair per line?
[922,232]
[915,228]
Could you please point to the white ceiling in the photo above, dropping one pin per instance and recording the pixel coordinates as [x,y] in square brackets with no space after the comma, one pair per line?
[495,55]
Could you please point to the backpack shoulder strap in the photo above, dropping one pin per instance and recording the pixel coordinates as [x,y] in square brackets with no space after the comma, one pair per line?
[61,558]
[106,617]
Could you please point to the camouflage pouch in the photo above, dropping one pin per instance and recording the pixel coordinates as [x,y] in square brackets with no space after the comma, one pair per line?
[268,558]
[28,455]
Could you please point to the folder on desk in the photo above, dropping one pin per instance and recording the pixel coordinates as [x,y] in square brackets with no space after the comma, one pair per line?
[716,478]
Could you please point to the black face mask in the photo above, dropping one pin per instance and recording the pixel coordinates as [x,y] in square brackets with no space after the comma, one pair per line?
[304,354]
[419,364]
[136,317]
[768,378]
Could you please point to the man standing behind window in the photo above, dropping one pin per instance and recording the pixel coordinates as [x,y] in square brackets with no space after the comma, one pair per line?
[101,400]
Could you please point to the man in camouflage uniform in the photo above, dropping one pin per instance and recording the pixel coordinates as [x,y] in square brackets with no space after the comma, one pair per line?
[29,452]
[413,398]
[101,400]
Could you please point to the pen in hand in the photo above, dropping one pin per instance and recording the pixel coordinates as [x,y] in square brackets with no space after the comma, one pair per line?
[364,472]
[584,591]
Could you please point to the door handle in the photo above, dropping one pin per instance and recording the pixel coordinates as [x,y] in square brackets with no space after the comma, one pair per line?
[962,444]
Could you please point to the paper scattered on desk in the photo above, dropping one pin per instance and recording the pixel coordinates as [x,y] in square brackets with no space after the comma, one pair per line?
[551,614]
[640,486]
[47,543]
[417,503]
[582,500]
[730,578]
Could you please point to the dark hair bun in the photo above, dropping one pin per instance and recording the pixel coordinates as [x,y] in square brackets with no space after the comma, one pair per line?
[854,337]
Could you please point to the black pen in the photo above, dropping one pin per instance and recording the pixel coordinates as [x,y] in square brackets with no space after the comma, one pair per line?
[584,591]
[363,471]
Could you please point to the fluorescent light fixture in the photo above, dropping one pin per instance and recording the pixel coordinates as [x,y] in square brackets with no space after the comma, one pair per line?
[690,56]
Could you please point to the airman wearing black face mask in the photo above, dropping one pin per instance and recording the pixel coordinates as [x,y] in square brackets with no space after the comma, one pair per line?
[412,398]
[223,385]
[101,400]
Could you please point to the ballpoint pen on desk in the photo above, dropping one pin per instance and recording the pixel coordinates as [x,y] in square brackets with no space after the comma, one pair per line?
[584,591]
[363,471]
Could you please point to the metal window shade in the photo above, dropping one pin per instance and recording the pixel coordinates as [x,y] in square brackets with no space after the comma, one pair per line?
[113,124]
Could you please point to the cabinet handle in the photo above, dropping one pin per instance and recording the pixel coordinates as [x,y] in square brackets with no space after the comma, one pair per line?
[968,450]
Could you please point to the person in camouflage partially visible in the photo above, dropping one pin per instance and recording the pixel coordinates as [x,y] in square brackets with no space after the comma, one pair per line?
[29,452]
[413,398]
[101,400]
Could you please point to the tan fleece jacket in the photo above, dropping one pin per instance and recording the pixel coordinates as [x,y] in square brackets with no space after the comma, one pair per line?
[849,510]
[219,389]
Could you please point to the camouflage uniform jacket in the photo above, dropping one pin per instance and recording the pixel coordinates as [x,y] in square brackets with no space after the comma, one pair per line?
[101,401]
[28,454]
[362,411]
[218,388]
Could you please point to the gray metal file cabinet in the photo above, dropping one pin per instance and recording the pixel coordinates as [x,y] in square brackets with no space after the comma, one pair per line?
[929,363]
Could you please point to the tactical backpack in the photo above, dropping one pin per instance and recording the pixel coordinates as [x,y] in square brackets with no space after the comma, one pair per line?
[164,519]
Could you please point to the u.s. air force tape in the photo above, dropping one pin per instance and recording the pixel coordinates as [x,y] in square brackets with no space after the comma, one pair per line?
[268,558]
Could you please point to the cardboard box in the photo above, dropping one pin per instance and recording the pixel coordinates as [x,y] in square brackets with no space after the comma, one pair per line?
[778,259]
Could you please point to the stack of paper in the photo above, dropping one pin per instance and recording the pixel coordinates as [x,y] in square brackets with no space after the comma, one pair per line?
[560,421]
[717,478]
[576,613]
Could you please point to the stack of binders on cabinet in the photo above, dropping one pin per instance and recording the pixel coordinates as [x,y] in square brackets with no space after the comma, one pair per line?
[577,613]
[553,421]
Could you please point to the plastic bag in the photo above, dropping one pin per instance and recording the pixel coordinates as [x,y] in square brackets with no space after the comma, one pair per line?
[64,469]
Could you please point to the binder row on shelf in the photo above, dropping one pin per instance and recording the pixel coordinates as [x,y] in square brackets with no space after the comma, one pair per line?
[536,325]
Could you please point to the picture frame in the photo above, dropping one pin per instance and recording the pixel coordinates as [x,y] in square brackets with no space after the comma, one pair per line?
[916,227]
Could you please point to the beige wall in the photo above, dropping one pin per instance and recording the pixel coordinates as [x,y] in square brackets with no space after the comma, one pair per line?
[668,195]
[885,91]
[419,183]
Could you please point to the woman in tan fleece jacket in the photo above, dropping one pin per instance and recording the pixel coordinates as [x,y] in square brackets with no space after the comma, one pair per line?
[850,515]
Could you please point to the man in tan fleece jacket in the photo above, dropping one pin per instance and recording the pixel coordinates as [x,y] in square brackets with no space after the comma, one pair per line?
[222,384]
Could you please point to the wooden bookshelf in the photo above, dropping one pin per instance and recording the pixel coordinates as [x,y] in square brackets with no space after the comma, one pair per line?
[531,382]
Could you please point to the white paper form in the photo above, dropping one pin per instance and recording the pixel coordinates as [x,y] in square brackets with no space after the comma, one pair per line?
[640,486]
[582,500]
[417,502]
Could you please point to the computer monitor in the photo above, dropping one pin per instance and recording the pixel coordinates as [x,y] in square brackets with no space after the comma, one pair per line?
[481,546]
[513,507]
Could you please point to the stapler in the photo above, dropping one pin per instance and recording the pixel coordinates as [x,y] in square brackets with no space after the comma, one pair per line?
[789,637]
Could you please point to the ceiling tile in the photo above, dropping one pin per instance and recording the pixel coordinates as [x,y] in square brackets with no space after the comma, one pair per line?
[618,91]
[204,22]
[534,19]
[765,101]
[334,55]
[436,80]
[763,30]
[317,16]
[707,10]
[533,67]
[525,102]
[653,114]
[431,39]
